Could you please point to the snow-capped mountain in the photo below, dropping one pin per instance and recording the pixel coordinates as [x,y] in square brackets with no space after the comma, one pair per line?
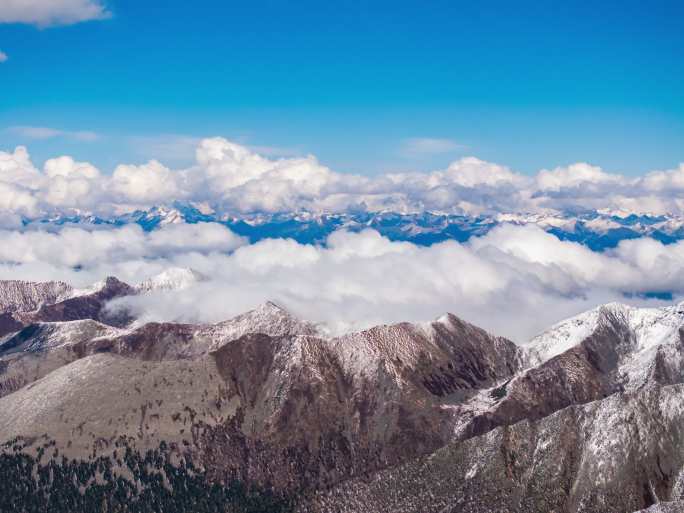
[650,327]
[174,278]
[596,229]
[266,412]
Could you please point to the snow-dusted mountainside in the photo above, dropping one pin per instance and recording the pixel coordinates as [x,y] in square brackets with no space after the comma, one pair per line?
[265,412]
[592,424]
[43,336]
[262,397]
[267,318]
[69,306]
[25,303]
[175,278]
[620,454]
[27,296]
[650,327]
[596,229]
[648,344]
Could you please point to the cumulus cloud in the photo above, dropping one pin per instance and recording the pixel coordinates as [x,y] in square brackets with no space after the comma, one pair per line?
[515,281]
[45,13]
[231,178]
[145,184]
[3,56]
[671,181]
[472,172]
[70,183]
[575,175]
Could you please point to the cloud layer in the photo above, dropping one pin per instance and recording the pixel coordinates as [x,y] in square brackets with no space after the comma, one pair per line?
[515,281]
[232,178]
[42,132]
[45,13]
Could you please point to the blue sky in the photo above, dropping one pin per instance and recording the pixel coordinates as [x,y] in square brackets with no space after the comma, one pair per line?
[368,87]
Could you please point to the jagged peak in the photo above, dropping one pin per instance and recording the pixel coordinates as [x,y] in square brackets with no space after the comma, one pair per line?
[268,318]
[271,311]
[86,291]
[273,307]
[615,307]
[111,284]
[110,281]
[452,322]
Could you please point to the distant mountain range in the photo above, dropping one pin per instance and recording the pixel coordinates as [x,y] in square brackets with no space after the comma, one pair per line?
[266,413]
[597,230]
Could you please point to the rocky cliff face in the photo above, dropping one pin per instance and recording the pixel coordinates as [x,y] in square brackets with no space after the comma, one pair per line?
[263,412]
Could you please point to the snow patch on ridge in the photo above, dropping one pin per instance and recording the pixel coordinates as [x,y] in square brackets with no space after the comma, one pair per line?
[267,318]
[651,327]
[174,278]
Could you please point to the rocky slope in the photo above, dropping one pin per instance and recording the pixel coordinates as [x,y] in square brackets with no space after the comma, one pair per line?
[623,453]
[264,412]
[594,424]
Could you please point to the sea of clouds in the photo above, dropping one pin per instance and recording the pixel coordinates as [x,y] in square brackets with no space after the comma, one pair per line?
[229,177]
[514,281]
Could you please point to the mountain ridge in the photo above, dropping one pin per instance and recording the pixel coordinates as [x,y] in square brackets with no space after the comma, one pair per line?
[268,409]
[597,229]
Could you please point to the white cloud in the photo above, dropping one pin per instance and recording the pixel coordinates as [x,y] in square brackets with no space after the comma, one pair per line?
[145,184]
[83,135]
[231,178]
[189,238]
[70,183]
[108,248]
[428,145]
[514,281]
[16,168]
[3,56]
[576,175]
[42,132]
[35,132]
[473,172]
[275,151]
[16,200]
[659,181]
[45,13]
[249,181]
